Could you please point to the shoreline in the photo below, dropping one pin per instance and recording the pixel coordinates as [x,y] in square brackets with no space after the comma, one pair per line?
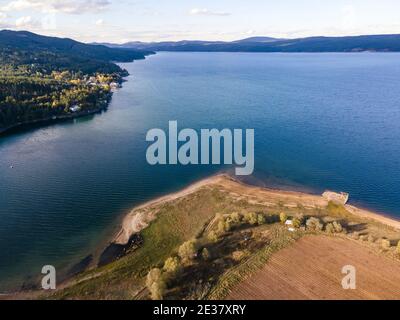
[135,221]
[51,120]
[127,232]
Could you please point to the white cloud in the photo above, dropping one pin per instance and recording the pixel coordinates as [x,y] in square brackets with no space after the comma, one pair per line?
[23,22]
[349,17]
[100,23]
[56,6]
[207,12]
[3,16]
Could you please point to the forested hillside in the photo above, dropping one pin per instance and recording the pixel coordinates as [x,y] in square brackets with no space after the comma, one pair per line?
[43,78]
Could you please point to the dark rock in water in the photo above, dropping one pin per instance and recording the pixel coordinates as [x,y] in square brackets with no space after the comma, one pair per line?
[80,267]
[116,251]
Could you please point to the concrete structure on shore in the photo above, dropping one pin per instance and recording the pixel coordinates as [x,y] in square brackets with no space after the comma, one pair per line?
[339,198]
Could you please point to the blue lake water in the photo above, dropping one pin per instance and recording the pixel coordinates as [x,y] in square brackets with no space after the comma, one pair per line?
[322,121]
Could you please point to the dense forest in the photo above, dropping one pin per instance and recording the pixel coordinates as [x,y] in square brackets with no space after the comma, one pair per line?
[43,78]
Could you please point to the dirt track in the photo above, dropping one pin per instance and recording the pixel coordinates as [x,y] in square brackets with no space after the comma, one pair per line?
[311,269]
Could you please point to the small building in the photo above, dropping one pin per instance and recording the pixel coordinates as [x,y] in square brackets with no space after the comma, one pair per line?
[75,108]
[114,85]
[289,225]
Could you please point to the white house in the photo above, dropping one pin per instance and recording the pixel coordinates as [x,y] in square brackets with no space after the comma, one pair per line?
[289,224]
[75,108]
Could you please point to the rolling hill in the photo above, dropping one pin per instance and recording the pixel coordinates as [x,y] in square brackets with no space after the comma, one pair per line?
[380,43]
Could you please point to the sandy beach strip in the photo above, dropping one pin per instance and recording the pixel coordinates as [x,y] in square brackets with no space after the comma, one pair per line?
[140,217]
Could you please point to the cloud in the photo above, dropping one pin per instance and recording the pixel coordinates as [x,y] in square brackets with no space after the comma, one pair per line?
[99,23]
[349,17]
[24,22]
[3,16]
[56,6]
[207,12]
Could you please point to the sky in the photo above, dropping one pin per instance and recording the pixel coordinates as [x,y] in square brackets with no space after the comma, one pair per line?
[120,21]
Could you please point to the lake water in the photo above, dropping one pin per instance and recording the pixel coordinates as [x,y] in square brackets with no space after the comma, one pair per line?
[322,121]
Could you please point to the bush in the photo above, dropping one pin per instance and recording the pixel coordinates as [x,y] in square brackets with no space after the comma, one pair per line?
[156,284]
[157,290]
[228,225]
[187,251]
[205,254]
[172,265]
[329,228]
[239,255]
[314,224]
[235,217]
[221,227]
[385,243]
[283,217]
[261,219]
[371,238]
[212,236]
[251,218]
[337,226]
[297,222]
[153,276]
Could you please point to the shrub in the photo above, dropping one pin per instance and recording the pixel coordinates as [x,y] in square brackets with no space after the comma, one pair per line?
[314,224]
[228,225]
[187,250]
[283,217]
[156,284]
[385,243]
[251,218]
[205,254]
[330,228]
[337,226]
[238,255]
[235,217]
[221,227]
[157,290]
[212,236]
[153,276]
[261,219]
[371,238]
[172,265]
[298,221]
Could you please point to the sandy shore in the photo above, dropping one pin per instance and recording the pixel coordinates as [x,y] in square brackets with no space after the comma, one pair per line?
[140,217]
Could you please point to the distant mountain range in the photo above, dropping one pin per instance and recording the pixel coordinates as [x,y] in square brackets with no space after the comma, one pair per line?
[24,40]
[381,43]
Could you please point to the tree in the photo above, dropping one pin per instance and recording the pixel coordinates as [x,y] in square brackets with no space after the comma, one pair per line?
[205,254]
[251,218]
[187,251]
[235,217]
[212,236]
[314,224]
[157,290]
[338,227]
[261,219]
[329,228]
[385,243]
[156,284]
[172,266]
[296,222]
[283,217]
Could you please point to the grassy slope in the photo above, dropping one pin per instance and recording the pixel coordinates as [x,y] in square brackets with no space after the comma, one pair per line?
[186,218]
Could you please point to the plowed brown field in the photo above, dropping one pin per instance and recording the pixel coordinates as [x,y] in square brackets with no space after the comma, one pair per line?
[311,269]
